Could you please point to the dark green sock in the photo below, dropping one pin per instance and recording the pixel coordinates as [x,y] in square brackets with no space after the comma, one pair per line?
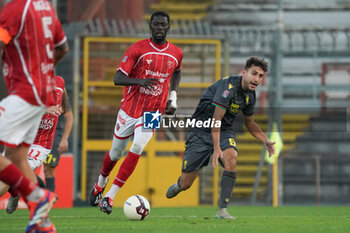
[41,183]
[227,184]
[50,184]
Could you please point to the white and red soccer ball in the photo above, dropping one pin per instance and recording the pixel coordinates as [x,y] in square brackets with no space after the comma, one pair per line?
[136,207]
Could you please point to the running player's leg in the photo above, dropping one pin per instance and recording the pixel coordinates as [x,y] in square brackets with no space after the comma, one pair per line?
[228,178]
[123,130]
[37,154]
[19,124]
[53,158]
[197,155]
[141,138]
[110,159]
[16,155]
[39,201]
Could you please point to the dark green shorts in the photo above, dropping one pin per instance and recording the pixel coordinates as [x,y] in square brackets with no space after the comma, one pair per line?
[53,158]
[199,148]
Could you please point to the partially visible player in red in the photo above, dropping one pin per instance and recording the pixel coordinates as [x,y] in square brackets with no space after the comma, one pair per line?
[43,142]
[33,41]
[147,69]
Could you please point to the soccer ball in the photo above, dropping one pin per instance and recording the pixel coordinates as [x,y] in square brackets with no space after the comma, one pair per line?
[136,207]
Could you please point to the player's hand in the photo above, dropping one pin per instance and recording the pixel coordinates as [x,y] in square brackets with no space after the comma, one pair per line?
[270,146]
[216,155]
[54,110]
[149,83]
[170,107]
[63,147]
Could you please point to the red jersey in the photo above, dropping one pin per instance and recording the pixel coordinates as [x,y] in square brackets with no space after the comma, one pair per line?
[142,60]
[48,123]
[31,31]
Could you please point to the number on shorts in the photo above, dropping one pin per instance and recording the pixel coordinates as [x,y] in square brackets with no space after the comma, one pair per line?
[48,159]
[185,164]
[31,154]
[232,142]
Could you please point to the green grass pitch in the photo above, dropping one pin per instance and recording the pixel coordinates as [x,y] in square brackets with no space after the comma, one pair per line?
[192,219]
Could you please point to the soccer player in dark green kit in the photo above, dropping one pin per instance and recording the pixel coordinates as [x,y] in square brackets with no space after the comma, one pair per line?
[221,102]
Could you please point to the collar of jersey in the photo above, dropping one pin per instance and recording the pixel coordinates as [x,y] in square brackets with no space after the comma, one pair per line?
[159,47]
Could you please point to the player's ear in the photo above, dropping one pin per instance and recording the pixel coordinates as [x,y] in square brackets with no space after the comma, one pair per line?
[244,72]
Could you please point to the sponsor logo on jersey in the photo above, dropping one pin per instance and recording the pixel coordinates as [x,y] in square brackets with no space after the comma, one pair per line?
[156,74]
[234,108]
[155,92]
[46,67]
[149,61]
[151,120]
[46,124]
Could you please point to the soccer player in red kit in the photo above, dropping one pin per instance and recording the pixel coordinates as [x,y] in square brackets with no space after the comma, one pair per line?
[147,69]
[43,142]
[33,41]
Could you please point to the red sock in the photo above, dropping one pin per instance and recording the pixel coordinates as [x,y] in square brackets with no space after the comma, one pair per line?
[108,165]
[126,169]
[12,176]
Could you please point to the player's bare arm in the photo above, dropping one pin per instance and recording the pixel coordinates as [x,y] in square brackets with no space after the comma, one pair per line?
[215,134]
[60,51]
[255,130]
[120,79]
[63,146]
[63,101]
[174,84]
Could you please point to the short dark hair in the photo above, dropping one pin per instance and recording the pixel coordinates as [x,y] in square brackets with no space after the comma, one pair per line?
[255,61]
[160,13]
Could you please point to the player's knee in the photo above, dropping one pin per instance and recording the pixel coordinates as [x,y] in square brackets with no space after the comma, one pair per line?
[230,164]
[115,154]
[137,148]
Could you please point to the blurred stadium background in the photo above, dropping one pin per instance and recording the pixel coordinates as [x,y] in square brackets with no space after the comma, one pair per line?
[307,93]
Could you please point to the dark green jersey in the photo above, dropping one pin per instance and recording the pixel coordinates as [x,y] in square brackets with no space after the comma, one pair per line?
[227,94]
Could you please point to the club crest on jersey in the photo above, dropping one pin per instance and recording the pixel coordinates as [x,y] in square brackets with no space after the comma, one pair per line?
[170,64]
[225,93]
[149,61]
[125,59]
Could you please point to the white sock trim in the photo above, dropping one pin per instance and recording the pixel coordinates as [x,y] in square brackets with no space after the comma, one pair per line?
[113,191]
[102,181]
